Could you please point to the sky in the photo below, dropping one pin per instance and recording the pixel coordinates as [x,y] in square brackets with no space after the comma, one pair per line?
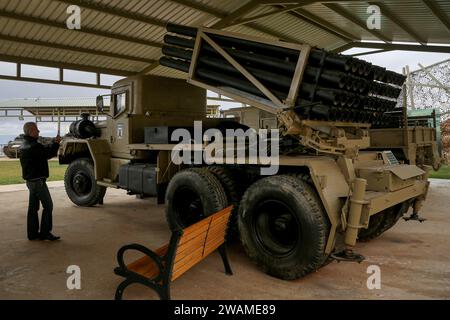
[394,60]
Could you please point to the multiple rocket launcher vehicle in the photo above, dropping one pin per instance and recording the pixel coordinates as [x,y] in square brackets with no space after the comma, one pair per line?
[329,192]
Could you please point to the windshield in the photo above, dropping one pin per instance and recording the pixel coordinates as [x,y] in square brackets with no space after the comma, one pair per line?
[119,103]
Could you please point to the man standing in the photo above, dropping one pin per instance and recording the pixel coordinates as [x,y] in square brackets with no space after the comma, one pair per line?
[33,158]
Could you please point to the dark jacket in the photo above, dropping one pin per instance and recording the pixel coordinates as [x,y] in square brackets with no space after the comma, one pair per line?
[34,156]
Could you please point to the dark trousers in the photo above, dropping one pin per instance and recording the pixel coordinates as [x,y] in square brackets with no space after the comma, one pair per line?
[39,194]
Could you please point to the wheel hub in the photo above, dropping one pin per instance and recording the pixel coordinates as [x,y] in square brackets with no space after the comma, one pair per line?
[276,228]
[188,207]
[281,224]
[81,184]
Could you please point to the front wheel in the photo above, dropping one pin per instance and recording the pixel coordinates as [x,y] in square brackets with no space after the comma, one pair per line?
[283,226]
[80,183]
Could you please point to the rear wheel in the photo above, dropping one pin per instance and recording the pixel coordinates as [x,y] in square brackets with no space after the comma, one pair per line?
[192,195]
[283,226]
[80,184]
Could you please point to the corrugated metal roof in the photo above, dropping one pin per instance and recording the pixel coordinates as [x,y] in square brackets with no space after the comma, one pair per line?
[125,36]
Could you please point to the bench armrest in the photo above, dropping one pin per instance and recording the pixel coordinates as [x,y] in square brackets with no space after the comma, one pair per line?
[123,270]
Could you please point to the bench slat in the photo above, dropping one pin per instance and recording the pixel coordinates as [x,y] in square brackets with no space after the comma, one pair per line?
[188,257]
[222,212]
[198,225]
[186,267]
[220,215]
[216,229]
[151,273]
[221,221]
[218,223]
[214,240]
[188,247]
[196,233]
[216,233]
[141,264]
[196,239]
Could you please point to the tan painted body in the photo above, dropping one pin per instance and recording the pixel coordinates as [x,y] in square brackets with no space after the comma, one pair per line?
[417,145]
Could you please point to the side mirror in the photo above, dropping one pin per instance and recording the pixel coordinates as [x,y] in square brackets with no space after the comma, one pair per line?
[99,104]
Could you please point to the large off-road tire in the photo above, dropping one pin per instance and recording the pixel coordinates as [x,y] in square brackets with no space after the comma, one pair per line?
[80,184]
[283,226]
[304,176]
[234,188]
[382,221]
[192,195]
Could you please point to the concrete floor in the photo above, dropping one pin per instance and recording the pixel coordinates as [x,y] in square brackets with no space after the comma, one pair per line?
[414,258]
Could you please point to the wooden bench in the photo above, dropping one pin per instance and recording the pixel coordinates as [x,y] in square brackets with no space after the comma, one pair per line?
[186,248]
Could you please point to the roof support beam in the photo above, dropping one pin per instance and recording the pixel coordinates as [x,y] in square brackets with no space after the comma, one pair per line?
[202,8]
[344,47]
[434,8]
[275,2]
[369,52]
[306,2]
[56,64]
[296,11]
[350,17]
[272,33]
[402,47]
[237,14]
[74,49]
[396,20]
[279,10]
[324,25]
[85,30]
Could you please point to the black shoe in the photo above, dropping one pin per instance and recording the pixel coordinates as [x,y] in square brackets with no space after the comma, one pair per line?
[49,237]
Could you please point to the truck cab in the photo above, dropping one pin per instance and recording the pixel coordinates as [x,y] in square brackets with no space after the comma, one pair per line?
[97,152]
